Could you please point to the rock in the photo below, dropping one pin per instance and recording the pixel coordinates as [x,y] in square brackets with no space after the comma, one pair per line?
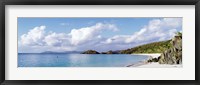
[154,59]
[174,54]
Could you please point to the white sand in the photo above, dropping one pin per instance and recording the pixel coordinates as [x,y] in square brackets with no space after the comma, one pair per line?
[153,64]
[152,55]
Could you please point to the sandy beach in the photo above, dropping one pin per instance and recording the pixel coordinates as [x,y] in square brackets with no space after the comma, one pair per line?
[145,64]
[152,55]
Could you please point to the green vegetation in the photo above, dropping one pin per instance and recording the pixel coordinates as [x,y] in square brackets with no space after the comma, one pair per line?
[156,47]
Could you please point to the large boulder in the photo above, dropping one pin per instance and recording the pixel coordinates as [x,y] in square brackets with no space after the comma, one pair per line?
[174,54]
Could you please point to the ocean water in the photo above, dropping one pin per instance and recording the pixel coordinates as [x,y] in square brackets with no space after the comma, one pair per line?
[77,60]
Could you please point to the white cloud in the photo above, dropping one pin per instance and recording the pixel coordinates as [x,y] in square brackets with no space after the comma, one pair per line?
[56,39]
[156,30]
[34,36]
[82,35]
[77,38]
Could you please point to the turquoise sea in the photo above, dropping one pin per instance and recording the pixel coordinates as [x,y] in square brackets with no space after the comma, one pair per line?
[77,60]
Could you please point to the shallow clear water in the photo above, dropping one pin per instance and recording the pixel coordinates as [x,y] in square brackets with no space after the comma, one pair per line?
[77,60]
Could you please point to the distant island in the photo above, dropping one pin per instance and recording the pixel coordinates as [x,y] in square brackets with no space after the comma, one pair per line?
[90,52]
[68,52]
[95,52]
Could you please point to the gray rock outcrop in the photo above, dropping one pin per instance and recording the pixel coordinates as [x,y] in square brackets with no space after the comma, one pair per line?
[174,54]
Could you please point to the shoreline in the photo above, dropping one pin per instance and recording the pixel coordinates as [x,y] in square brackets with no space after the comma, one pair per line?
[145,64]
[152,55]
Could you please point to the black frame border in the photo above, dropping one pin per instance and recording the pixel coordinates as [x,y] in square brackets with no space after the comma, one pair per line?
[98,2]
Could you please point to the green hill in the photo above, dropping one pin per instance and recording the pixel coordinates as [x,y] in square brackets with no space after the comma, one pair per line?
[155,47]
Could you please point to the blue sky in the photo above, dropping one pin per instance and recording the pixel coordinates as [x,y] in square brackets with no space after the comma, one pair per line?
[67,34]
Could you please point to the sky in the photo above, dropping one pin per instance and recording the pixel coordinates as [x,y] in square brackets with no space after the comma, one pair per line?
[36,35]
